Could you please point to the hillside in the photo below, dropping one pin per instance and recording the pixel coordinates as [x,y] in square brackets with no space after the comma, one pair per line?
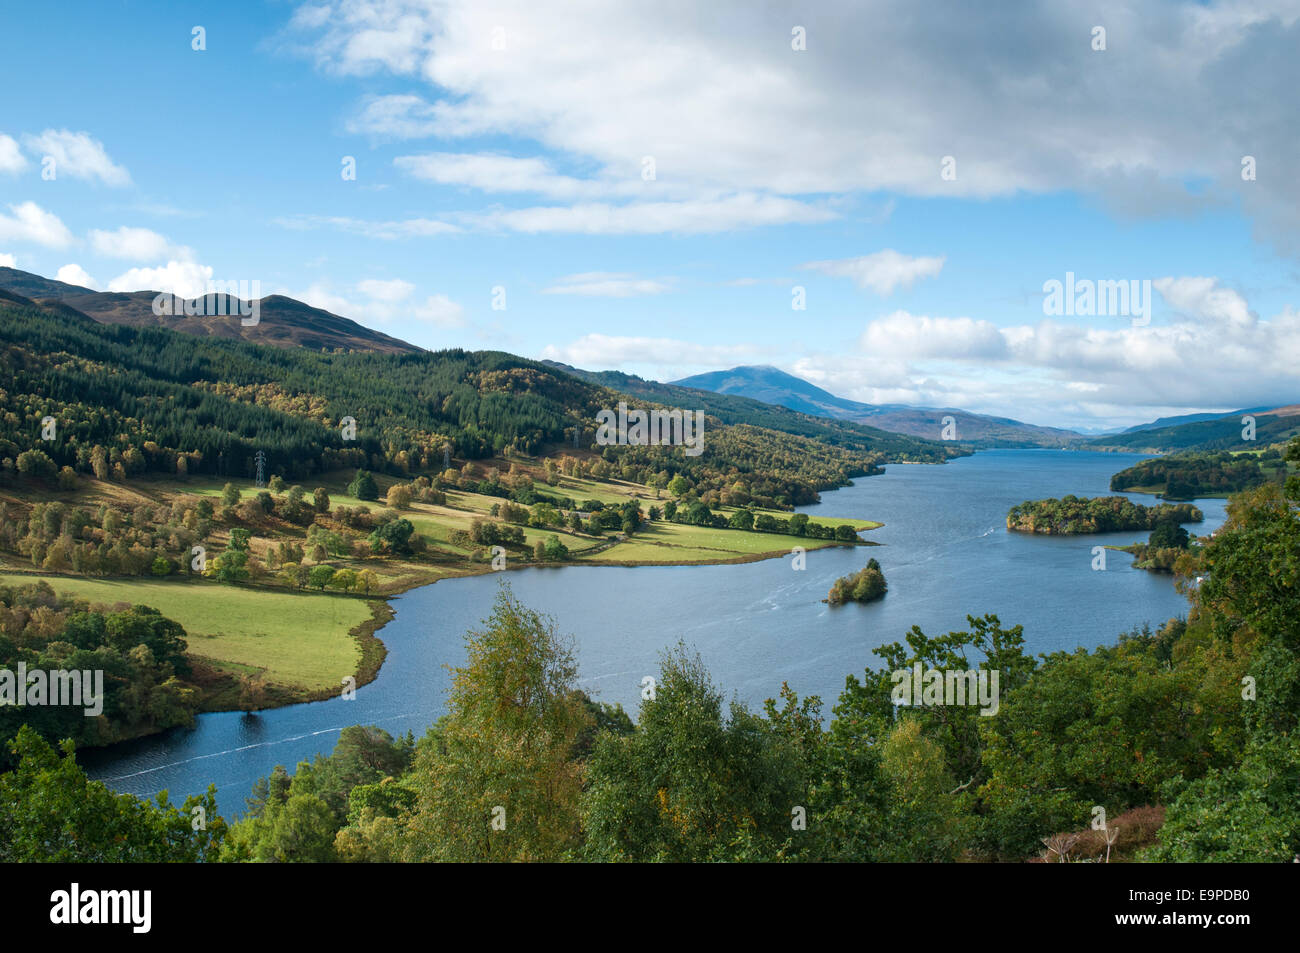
[282,321]
[1220,433]
[1161,423]
[151,399]
[774,386]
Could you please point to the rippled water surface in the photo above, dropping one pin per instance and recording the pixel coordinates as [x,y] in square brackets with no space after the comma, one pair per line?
[946,553]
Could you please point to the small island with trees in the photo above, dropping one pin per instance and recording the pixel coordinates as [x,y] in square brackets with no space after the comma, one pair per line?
[1074,515]
[866,585]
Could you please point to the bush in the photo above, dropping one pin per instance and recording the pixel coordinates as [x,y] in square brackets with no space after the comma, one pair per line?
[741,519]
[363,486]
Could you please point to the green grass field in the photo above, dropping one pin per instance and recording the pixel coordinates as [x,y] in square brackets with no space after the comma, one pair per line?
[676,542]
[295,639]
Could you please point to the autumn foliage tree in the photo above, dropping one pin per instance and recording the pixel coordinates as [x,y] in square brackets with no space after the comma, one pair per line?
[495,777]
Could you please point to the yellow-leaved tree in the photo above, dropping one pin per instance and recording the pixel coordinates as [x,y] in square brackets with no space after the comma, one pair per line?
[496,778]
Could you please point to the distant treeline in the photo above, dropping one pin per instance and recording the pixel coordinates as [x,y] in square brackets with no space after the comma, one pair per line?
[1224,433]
[1073,515]
[1186,476]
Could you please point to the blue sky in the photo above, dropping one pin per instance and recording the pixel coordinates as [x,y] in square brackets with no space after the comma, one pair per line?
[504,146]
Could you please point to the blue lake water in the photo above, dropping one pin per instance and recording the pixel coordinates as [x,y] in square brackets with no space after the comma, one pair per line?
[945,552]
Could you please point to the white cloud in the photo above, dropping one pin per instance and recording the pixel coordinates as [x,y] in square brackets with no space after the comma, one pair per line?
[391,36]
[188,279]
[601,351]
[407,228]
[1200,297]
[388,291]
[76,275]
[319,295]
[441,311]
[753,282]
[690,217]
[31,223]
[494,173]
[135,244]
[884,92]
[1212,353]
[882,271]
[1186,363]
[8,261]
[395,117]
[11,159]
[78,155]
[917,336]
[695,216]
[602,284]
[385,301]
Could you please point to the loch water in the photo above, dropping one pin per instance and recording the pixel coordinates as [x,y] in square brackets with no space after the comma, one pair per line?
[945,552]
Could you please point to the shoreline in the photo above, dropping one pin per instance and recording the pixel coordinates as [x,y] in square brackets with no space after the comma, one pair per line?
[219,689]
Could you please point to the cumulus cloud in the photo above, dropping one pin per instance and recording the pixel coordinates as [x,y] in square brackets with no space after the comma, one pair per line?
[885,91]
[30,223]
[135,244]
[77,155]
[918,336]
[383,301]
[320,295]
[1212,352]
[882,271]
[11,157]
[604,284]
[189,279]
[441,312]
[72,274]
[389,291]
[1202,297]
[1186,363]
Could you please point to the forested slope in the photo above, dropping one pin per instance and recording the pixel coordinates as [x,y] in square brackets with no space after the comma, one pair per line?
[152,399]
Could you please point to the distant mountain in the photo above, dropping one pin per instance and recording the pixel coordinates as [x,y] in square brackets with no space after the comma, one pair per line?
[1161,423]
[734,409]
[1205,432]
[282,321]
[774,386]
